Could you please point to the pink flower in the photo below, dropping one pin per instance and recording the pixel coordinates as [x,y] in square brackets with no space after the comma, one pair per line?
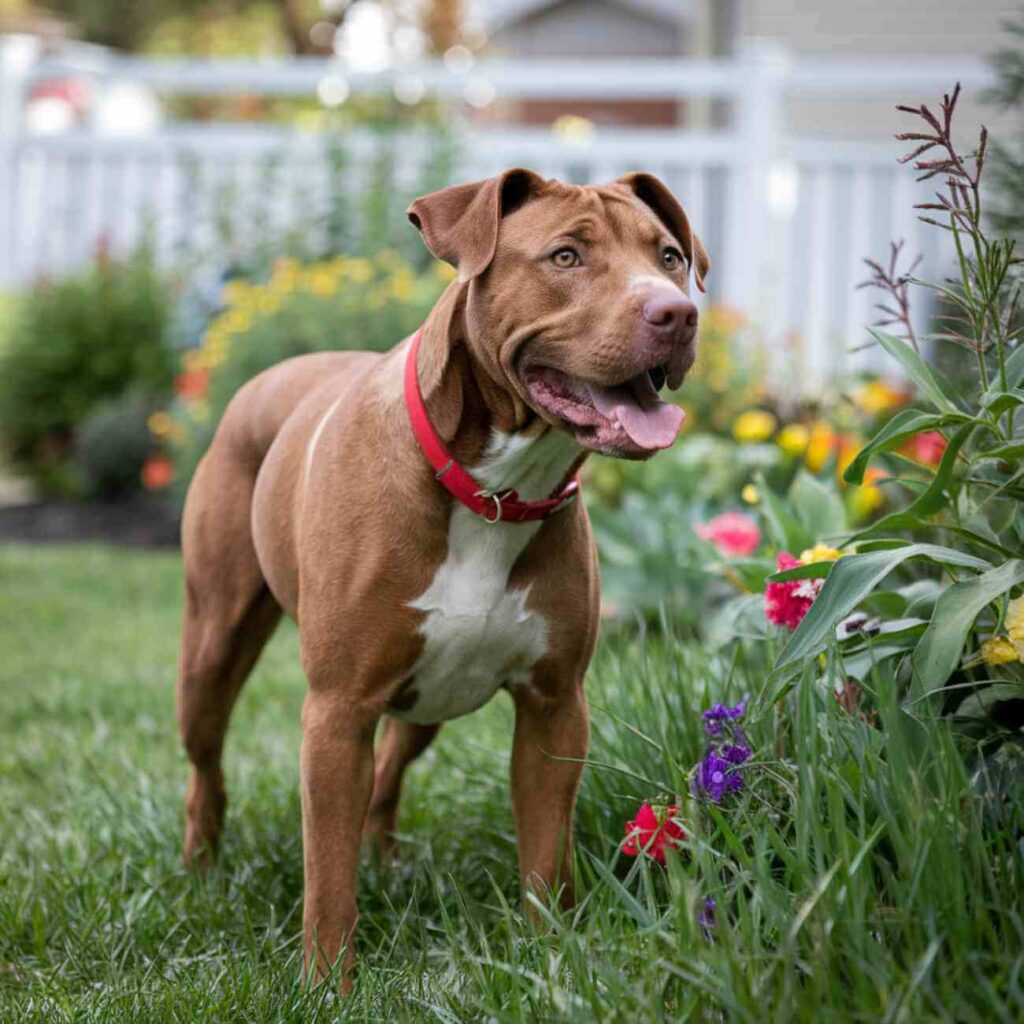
[787,603]
[732,533]
[652,831]
[927,447]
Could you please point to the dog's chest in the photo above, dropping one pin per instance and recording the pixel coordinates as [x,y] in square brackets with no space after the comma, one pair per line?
[478,633]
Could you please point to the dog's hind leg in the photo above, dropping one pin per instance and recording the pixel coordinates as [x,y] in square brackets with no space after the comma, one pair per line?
[400,745]
[229,616]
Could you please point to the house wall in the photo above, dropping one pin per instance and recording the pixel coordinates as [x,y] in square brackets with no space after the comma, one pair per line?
[579,29]
[877,28]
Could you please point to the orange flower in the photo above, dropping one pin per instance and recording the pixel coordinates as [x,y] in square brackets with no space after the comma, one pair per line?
[157,473]
[192,384]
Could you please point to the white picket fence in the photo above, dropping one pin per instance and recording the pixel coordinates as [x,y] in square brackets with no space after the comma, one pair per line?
[787,220]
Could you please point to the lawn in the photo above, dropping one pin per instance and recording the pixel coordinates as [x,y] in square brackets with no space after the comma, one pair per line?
[856,877]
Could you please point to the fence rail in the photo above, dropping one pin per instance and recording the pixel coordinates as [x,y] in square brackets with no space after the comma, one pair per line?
[786,219]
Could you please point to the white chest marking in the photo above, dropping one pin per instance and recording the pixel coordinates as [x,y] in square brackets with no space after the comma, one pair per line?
[479,634]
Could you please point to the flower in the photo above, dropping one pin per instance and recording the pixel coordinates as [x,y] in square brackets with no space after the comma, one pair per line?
[164,425]
[732,533]
[868,497]
[157,473]
[652,831]
[753,425]
[706,917]
[786,603]
[877,397]
[191,384]
[716,776]
[716,717]
[998,650]
[750,494]
[926,447]
[793,439]
[820,553]
[821,441]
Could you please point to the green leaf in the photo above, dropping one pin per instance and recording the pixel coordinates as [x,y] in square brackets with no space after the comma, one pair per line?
[978,704]
[998,403]
[931,384]
[788,532]
[1011,450]
[1014,376]
[902,426]
[938,654]
[852,578]
[931,499]
[818,506]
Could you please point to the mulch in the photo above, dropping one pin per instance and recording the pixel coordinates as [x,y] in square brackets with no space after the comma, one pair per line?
[146,521]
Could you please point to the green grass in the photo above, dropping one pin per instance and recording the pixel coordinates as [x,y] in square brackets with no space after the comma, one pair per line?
[857,878]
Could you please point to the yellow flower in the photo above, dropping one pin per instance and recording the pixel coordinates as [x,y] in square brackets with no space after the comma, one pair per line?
[793,439]
[820,553]
[403,285]
[998,651]
[445,272]
[359,270]
[753,425]
[195,359]
[162,424]
[877,397]
[721,320]
[867,498]
[820,443]
[749,494]
[1015,623]
[237,292]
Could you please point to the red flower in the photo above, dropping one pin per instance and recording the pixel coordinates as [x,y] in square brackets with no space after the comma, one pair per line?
[157,473]
[191,384]
[652,831]
[732,533]
[926,447]
[787,603]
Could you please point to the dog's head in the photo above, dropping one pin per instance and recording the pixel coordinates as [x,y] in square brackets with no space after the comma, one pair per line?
[576,298]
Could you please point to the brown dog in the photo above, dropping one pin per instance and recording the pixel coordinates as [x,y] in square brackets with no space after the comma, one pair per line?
[316,498]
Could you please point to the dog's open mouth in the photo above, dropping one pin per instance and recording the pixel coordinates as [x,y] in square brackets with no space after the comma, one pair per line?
[627,419]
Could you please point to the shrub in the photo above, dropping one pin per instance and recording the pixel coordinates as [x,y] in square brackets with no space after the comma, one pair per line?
[75,343]
[111,446]
[342,303]
[951,634]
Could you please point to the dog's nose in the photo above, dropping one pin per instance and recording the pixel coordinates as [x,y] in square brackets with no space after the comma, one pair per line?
[670,312]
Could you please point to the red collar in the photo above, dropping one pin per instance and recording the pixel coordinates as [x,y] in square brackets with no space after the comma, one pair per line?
[494,506]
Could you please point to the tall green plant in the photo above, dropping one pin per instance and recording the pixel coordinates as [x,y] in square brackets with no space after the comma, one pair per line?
[961,531]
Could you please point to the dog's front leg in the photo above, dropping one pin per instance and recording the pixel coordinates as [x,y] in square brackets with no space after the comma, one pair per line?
[547,753]
[337,780]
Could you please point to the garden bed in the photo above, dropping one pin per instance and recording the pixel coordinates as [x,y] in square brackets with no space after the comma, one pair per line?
[143,521]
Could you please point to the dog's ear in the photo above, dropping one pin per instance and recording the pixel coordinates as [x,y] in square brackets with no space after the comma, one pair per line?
[651,191]
[460,224]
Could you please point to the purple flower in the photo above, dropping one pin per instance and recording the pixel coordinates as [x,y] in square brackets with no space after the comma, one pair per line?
[716,776]
[739,751]
[717,717]
[706,918]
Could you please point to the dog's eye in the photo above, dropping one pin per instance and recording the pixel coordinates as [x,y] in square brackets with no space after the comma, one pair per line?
[565,258]
[671,259]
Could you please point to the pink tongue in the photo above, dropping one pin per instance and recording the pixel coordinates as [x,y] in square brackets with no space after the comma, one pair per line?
[651,423]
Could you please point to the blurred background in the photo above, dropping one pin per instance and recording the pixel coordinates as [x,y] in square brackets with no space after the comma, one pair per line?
[191,191]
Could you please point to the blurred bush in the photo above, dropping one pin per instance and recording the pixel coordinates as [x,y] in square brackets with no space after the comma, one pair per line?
[74,344]
[341,303]
[111,446]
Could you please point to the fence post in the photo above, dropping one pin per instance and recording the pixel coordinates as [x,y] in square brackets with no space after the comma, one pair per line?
[17,53]
[758,127]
